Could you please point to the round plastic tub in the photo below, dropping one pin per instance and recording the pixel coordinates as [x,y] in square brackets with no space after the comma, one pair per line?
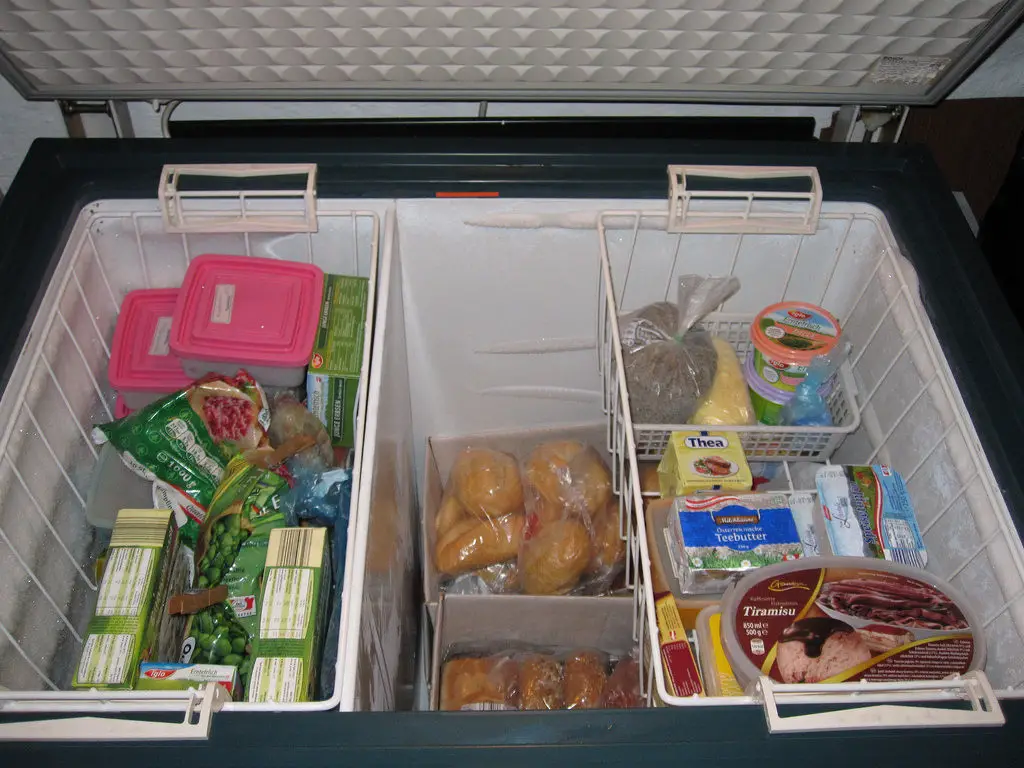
[786,338]
[844,619]
[142,368]
[766,400]
[242,312]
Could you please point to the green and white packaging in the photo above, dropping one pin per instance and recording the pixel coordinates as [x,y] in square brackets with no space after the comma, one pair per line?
[168,676]
[332,382]
[293,616]
[130,624]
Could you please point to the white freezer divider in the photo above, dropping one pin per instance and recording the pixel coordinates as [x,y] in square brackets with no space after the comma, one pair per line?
[868,709]
[197,706]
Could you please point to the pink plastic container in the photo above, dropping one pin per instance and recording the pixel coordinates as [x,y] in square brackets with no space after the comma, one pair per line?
[142,368]
[241,312]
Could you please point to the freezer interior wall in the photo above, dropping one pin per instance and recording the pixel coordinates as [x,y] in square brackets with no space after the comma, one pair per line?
[485,328]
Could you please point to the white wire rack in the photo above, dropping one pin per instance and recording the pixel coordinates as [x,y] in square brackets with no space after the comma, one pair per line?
[911,415]
[59,389]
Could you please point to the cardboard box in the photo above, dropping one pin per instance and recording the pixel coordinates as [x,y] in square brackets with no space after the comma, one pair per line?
[441,454]
[129,624]
[167,676]
[332,381]
[483,624]
[292,616]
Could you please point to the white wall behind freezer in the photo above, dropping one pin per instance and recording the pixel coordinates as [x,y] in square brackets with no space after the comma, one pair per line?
[1001,75]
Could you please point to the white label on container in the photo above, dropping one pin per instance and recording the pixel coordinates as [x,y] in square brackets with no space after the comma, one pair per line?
[276,680]
[287,604]
[105,659]
[223,302]
[160,345]
[124,582]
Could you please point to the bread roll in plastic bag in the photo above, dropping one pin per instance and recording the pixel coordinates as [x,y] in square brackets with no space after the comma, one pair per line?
[728,400]
[480,520]
[566,483]
[669,366]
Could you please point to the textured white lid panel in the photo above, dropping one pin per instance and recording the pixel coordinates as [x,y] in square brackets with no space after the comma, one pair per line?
[734,50]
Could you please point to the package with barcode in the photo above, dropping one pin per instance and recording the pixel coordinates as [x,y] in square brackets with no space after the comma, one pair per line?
[292,616]
[868,513]
[129,625]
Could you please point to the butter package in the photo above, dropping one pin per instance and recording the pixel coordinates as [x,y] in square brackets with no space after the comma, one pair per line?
[682,678]
[292,616]
[718,677]
[332,381]
[129,624]
[703,461]
[714,538]
[868,513]
[167,676]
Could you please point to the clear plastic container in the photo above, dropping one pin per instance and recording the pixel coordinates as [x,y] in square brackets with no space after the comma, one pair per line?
[142,368]
[241,312]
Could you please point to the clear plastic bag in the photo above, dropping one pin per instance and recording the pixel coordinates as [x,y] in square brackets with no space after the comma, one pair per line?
[670,367]
[289,418]
[536,680]
[567,487]
[480,520]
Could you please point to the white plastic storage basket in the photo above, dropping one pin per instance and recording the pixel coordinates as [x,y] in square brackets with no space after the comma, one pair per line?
[59,389]
[485,320]
[904,406]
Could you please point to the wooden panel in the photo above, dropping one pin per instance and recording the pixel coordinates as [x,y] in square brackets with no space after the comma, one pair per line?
[973,141]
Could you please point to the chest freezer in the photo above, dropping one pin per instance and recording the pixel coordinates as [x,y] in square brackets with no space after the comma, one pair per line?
[495,269]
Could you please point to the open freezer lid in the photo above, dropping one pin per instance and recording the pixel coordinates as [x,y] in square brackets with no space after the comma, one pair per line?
[804,51]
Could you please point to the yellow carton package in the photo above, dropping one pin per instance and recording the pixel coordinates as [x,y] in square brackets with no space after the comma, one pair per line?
[703,461]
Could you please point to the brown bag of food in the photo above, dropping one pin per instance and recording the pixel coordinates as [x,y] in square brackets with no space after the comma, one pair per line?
[473,683]
[480,520]
[584,680]
[566,483]
[622,690]
[540,683]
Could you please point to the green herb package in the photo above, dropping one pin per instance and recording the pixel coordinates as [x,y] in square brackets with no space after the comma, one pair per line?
[182,443]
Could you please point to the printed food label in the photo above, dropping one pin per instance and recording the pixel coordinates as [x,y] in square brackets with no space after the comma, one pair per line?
[223,303]
[831,625]
[868,513]
[907,70]
[123,591]
[160,345]
[276,680]
[287,604]
[105,659]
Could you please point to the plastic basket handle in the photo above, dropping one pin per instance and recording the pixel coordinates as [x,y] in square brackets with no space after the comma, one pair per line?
[742,212]
[263,210]
[197,708]
[867,707]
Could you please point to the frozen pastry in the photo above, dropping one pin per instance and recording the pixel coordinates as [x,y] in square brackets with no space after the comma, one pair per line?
[567,476]
[622,689]
[480,684]
[609,550]
[584,680]
[813,650]
[552,560]
[471,543]
[486,483]
[540,683]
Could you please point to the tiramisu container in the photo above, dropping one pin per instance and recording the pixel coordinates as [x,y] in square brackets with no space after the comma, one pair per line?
[846,619]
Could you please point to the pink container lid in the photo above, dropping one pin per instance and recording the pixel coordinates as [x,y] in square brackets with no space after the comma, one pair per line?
[121,408]
[248,310]
[140,358]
